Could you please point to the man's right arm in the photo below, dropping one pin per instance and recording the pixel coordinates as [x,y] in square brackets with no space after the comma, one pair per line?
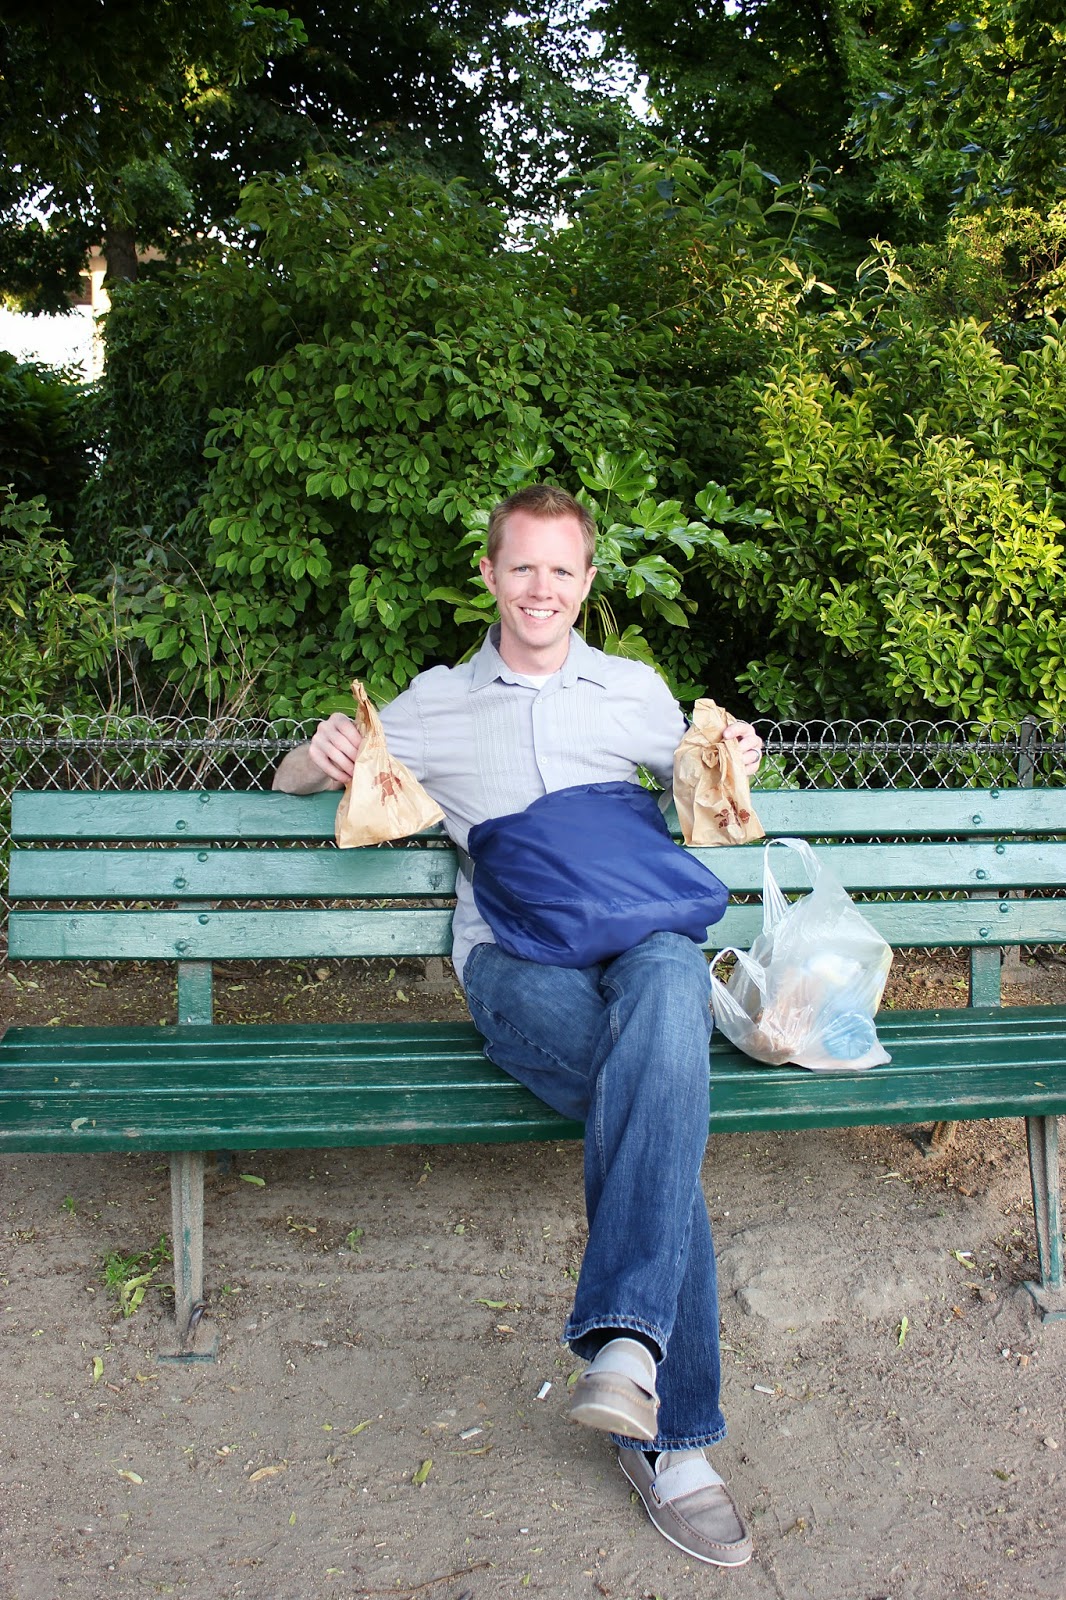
[326,762]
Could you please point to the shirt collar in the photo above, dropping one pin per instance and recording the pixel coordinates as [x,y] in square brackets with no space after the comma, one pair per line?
[581,662]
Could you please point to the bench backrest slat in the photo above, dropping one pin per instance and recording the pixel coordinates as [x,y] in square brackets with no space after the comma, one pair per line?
[180,815]
[226,935]
[236,935]
[236,874]
[328,874]
[87,815]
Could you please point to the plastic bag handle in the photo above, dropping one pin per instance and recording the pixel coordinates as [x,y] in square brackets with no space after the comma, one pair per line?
[774,904]
[752,968]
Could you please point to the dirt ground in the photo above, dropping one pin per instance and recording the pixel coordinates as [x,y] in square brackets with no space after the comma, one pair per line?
[387,1412]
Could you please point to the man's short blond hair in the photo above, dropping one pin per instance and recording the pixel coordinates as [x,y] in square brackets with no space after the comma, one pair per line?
[542,500]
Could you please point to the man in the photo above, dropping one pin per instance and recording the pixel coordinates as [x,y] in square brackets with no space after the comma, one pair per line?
[621,1046]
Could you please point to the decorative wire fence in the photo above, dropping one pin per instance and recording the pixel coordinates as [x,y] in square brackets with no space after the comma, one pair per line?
[112,752]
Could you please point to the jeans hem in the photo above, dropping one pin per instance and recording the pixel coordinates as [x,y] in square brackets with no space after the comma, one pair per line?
[575,1334]
[692,1441]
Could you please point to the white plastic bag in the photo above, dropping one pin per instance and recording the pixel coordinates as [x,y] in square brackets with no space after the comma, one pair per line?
[809,987]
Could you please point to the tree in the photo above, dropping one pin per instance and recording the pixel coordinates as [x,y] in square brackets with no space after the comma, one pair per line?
[470,88]
[977,115]
[95,105]
[783,80]
[47,437]
[138,123]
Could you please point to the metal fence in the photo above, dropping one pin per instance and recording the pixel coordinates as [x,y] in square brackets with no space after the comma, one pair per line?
[111,752]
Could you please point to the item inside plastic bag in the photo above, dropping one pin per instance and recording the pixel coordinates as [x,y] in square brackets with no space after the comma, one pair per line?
[808,989]
[384,799]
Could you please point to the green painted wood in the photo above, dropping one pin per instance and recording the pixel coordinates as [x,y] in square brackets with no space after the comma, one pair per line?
[270,873]
[239,874]
[195,992]
[171,814]
[252,814]
[311,1086]
[1042,1138]
[136,935]
[192,1087]
[226,935]
[986,976]
[910,813]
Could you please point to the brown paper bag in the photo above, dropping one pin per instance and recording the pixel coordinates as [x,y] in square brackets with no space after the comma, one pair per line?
[711,789]
[384,799]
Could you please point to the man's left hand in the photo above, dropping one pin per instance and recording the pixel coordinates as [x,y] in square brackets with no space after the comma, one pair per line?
[749,742]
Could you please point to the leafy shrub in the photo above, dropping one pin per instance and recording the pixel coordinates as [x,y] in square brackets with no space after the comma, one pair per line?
[916,481]
[413,363]
[46,435]
[53,638]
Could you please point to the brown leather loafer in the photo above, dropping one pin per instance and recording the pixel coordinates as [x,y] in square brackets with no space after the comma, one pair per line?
[690,1505]
[617,1392]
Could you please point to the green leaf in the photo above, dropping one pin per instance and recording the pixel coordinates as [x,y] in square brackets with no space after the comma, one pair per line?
[625,477]
[669,609]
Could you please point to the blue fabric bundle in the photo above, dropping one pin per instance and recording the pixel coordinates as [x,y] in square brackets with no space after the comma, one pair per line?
[584,873]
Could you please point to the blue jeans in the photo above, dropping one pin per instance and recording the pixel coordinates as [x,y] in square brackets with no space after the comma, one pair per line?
[623,1048]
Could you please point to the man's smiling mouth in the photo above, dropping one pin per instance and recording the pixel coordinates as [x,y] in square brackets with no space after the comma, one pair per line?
[538,616]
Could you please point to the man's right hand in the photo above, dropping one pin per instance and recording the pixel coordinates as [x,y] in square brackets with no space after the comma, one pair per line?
[334,746]
[326,763]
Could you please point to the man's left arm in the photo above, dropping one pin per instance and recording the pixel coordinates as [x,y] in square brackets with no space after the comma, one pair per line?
[666,724]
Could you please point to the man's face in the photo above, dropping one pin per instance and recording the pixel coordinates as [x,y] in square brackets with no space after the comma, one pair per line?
[540,581]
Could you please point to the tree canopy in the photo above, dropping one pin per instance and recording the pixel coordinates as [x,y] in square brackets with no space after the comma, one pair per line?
[136,123]
[796,336]
[96,103]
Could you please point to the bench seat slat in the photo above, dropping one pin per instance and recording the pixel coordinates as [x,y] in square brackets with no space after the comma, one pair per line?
[246,935]
[243,1087]
[136,1050]
[252,814]
[330,874]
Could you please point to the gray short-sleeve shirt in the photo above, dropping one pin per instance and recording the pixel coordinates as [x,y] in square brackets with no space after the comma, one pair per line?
[485,743]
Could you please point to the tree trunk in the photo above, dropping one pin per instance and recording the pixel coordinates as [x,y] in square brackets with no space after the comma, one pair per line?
[120,253]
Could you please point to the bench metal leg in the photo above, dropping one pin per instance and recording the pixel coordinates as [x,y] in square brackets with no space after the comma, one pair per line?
[1042,1134]
[187,1213]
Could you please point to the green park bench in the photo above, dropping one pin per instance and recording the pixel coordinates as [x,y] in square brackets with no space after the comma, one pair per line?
[198,877]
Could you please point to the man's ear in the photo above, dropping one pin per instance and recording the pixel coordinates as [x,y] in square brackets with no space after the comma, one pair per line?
[589,575]
[486,570]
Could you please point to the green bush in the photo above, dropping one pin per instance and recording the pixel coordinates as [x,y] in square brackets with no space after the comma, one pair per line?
[47,435]
[418,371]
[916,482]
[54,640]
